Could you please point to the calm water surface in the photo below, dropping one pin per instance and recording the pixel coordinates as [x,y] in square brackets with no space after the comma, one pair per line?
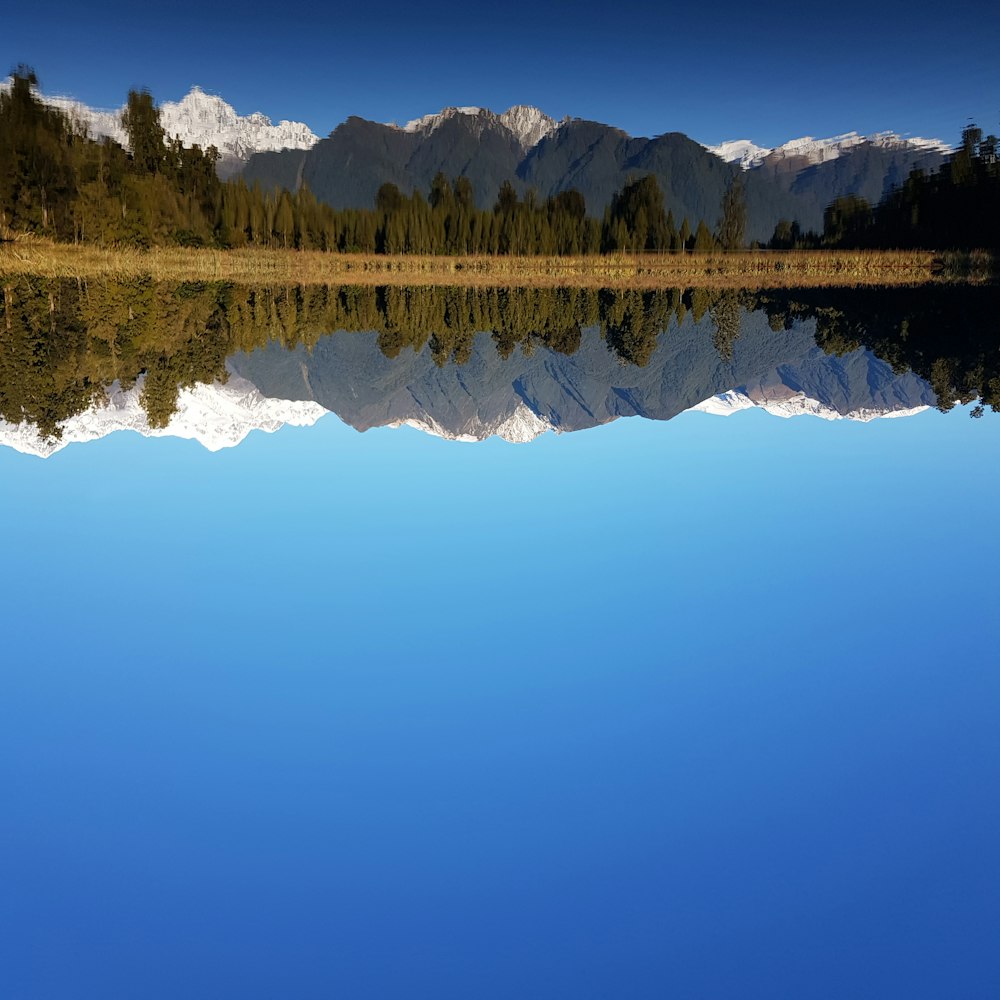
[704,708]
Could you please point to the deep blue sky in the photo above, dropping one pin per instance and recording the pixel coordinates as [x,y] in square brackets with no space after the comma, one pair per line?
[715,71]
[698,709]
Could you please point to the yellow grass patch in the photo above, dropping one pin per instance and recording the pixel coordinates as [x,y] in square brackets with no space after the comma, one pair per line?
[744,269]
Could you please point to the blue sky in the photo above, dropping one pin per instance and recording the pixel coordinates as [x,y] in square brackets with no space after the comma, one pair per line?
[715,71]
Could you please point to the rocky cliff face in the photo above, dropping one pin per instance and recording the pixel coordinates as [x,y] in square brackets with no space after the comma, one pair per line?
[204,120]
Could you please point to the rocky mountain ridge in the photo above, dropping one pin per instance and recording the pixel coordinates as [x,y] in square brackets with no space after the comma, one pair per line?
[202,119]
[811,151]
[528,124]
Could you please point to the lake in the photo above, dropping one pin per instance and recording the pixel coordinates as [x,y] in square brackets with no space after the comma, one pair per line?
[580,673]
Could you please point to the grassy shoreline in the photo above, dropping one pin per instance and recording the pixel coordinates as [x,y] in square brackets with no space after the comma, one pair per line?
[744,269]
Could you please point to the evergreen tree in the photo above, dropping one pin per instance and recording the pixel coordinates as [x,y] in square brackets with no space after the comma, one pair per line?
[733,223]
[703,238]
[141,121]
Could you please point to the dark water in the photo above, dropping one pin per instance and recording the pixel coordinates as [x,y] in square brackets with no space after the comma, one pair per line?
[474,362]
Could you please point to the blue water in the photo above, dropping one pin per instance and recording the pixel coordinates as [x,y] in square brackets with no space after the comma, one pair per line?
[698,709]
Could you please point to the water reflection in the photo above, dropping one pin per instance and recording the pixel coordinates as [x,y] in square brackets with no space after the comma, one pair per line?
[470,362]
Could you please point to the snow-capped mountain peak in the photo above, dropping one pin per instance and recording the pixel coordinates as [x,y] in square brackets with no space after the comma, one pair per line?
[518,427]
[202,119]
[206,119]
[748,155]
[529,125]
[742,151]
[427,123]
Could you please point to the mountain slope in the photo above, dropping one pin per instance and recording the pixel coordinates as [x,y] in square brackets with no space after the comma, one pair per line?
[810,151]
[796,181]
[347,168]
[200,119]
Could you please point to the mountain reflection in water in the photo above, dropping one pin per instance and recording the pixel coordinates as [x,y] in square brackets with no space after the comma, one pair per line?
[213,361]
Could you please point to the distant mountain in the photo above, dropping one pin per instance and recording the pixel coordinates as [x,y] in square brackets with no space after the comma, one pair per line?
[208,120]
[202,119]
[527,124]
[808,151]
[528,148]
[359,156]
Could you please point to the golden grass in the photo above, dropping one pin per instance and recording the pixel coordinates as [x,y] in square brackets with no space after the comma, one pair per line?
[744,269]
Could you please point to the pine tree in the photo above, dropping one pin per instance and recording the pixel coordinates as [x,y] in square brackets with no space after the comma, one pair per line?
[733,224]
[141,121]
[703,238]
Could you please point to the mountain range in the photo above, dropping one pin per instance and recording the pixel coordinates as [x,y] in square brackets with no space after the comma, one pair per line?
[794,181]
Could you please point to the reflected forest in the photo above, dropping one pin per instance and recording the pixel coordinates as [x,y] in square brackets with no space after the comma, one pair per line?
[65,343]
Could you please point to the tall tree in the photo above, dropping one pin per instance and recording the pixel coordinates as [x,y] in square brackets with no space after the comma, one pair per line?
[141,121]
[733,224]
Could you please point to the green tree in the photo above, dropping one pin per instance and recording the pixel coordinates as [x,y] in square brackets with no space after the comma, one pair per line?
[733,224]
[141,121]
[703,238]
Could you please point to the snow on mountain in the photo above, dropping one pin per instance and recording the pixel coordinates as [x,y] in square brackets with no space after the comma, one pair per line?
[741,151]
[221,416]
[528,124]
[206,119]
[519,427]
[98,122]
[811,150]
[525,425]
[202,119]
[427,123]
[216,416]
[793,404]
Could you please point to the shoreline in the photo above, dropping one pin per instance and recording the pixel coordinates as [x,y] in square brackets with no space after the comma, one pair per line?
[751,269]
